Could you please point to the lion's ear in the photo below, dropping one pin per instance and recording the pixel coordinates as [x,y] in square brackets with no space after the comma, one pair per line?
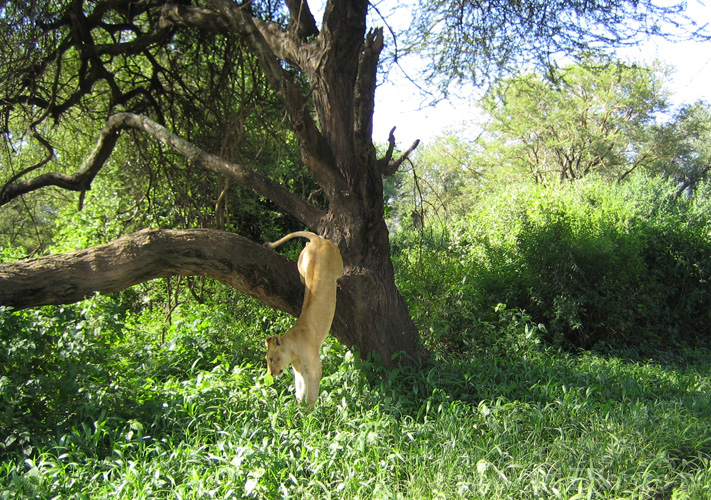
[274,339]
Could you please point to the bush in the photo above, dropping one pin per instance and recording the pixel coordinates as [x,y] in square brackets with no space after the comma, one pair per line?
[434,281]
[594,262]
[52,369]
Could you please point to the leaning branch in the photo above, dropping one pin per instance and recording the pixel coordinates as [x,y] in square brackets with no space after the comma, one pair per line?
[158,253]
[78,181]
[147,255]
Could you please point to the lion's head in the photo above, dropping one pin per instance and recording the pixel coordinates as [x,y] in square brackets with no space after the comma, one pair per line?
[276,357]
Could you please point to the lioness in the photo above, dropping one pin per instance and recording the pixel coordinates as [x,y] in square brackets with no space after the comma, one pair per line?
[320,265]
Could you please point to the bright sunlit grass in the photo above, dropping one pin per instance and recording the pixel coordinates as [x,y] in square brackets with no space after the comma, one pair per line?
[531,424]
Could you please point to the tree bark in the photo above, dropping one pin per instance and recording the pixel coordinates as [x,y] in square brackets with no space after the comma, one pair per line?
[150,254]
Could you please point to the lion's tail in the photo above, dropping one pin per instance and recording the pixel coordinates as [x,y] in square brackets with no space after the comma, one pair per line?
[298,234]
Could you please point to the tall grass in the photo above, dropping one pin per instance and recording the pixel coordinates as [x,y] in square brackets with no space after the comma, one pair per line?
[527,422]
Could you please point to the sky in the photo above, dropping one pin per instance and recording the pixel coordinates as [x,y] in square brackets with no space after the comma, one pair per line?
[399,104]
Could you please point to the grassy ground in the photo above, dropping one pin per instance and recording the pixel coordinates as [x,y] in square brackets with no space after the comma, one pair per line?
[530,423]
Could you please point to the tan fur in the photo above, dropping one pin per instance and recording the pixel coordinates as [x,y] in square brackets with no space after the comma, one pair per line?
[320,265]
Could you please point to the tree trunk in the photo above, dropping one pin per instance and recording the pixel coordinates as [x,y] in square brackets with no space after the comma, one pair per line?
[371,313]
[340,63]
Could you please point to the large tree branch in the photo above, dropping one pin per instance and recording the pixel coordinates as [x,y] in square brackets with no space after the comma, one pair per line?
[147,255]
[316,150]
[261,184]
[365,87]
[82,179]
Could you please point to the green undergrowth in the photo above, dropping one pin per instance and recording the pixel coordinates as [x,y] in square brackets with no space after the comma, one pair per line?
[144,420]
[596,263]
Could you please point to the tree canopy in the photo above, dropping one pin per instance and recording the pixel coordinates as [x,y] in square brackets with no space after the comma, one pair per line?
[586,118]
[478,42]
[610,120]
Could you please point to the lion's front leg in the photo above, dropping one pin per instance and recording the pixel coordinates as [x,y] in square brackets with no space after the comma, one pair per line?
[300,384]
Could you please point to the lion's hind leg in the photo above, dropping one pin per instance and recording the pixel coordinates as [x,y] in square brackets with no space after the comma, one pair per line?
[313,379]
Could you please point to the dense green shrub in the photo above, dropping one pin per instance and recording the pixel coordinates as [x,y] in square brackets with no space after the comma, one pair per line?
[431,277]
[52,367]
[594,262]
[62,367]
